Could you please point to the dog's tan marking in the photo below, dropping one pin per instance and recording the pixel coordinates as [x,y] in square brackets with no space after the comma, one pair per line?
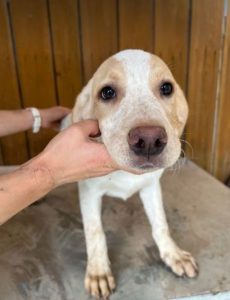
[110,73]
[175,105]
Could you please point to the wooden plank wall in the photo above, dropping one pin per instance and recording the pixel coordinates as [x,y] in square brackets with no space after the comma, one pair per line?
[221,167]
[14,148]
[204,59]
[50,48]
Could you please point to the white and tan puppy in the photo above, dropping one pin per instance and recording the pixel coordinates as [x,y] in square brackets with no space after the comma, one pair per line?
[141,112]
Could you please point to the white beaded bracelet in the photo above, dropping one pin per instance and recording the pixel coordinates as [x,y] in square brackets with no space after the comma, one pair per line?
[37,119]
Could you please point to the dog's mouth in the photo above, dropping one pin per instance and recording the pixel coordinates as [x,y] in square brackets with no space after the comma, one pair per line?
[145,164]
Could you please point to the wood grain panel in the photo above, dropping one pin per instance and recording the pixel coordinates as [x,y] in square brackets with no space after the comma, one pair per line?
[136,24]
[172,35]
[66,42]
[222,153]
[49,48]
[1,157]
[99,33]
[33,54]
[203,74]
[13,148]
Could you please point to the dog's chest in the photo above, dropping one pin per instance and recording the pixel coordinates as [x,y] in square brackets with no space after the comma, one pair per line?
[120,184]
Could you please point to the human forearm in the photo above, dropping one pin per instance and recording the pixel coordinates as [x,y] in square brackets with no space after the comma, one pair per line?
[22,187]
[15,121]
[21,120]
[70,156]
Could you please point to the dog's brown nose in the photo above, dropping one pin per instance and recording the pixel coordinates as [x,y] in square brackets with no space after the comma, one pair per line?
[147,141]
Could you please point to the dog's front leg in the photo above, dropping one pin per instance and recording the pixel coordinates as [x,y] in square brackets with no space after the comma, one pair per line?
[99,280]
[180,261]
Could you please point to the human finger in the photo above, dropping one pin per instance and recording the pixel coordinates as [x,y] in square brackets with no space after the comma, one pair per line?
[89,128]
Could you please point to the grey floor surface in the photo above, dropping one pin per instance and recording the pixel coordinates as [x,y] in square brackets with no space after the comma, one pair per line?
[42,249]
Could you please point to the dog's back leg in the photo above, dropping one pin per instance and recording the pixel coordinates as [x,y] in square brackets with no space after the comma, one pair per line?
[99,280]
[180,261]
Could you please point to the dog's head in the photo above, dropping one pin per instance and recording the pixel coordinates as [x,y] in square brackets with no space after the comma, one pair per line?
[140,108]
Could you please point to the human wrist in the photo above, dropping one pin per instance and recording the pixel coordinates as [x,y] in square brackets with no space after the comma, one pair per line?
[37,119]
[26,116]
[40,174]
[55,173]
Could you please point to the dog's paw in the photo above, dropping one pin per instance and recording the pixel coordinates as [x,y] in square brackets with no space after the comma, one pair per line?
[181,262]
[100,286]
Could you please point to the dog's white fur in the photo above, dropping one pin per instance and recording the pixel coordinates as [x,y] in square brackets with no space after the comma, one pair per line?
[137,76]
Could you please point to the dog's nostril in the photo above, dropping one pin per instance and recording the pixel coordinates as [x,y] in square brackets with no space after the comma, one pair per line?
[158,143]
[141,143]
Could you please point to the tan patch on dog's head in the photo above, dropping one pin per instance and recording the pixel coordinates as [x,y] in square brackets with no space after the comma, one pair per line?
[110,73]
[175,106]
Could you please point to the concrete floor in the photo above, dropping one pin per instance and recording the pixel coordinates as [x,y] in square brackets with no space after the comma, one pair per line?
[42,249]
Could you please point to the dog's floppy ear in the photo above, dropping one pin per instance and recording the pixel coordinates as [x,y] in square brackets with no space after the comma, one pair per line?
[83,108]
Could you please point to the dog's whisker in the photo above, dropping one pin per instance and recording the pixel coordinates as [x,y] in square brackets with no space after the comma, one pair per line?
[189,146]
[183,158]
[179,164]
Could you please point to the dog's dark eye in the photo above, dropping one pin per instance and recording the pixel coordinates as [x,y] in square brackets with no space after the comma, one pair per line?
[166,89]
[107,93]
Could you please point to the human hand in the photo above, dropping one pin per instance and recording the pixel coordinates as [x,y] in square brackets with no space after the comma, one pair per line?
[72,155]
[51,117]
